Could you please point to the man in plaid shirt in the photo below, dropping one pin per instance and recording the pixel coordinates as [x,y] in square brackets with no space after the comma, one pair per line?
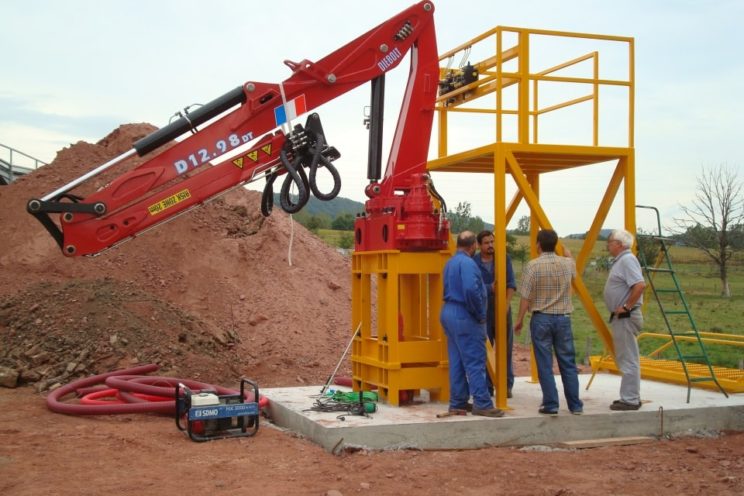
[546,292]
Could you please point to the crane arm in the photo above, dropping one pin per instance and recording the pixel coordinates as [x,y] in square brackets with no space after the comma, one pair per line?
[258,116]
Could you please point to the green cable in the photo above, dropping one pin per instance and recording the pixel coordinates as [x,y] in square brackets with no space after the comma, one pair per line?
[352,396]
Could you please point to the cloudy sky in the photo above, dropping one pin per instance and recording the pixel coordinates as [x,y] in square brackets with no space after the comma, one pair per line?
[76,70]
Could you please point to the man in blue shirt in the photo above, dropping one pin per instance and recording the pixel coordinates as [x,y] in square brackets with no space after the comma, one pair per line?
[485,261]
[463,317]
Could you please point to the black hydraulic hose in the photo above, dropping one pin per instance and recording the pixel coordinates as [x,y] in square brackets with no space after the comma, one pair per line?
[190,120]
[267,197]
[295,175]
[314,164]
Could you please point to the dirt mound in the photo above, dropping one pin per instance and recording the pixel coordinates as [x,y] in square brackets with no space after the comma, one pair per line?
[211,293]
[104,325]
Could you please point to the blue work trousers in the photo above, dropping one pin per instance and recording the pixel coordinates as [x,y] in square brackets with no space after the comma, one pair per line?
[466,350]
[553,332]
[509,347]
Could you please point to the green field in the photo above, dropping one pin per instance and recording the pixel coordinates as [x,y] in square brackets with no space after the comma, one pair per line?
[333,237]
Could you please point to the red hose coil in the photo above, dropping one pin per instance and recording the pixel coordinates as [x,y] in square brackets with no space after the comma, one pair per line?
[135,393]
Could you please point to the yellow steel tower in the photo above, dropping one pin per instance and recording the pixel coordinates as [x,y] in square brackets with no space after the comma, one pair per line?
[396,297]
[538,93]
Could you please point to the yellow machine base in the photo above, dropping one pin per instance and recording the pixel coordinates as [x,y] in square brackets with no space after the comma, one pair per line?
[400,348]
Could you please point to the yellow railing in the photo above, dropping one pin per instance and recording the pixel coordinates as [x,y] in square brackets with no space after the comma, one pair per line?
[653,366]
[502,68]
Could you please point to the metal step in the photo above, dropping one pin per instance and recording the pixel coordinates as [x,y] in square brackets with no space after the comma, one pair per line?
[652,269]
[676,312]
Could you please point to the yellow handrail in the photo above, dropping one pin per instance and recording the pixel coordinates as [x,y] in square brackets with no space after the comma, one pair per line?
[512,66]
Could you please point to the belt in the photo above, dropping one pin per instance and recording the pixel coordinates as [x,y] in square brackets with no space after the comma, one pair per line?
[622,315]
[537,312]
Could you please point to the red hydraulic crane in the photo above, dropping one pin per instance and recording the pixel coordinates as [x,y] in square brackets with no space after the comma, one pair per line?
[400,213]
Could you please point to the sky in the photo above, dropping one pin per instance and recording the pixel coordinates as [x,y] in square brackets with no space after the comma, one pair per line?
[76,70]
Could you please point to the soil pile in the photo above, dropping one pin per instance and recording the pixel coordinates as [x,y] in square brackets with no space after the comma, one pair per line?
[209,295]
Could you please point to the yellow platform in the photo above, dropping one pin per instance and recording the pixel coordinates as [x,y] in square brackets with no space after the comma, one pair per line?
[731,380]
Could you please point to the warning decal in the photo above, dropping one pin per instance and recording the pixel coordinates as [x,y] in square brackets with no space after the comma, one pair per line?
[252,155]
[169,202]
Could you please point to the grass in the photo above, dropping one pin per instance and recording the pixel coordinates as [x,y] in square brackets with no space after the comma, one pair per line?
[331,237]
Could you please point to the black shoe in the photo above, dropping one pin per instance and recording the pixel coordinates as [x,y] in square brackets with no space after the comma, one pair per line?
[623,406]
[508,393]
[545,411]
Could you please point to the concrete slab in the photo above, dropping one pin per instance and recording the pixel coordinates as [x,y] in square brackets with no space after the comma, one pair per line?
[416,426]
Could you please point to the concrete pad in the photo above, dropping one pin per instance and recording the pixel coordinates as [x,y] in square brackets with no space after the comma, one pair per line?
[664,411]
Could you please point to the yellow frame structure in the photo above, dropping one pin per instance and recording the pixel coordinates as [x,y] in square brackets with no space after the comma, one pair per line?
[527,159]
[400,348]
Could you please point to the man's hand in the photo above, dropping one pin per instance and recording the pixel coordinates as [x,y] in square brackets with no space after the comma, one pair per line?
[518,327]
[523,307]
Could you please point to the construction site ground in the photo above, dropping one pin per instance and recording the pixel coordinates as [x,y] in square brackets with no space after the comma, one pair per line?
[212,296]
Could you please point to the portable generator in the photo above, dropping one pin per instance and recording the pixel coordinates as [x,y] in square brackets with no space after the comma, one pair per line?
[209,416]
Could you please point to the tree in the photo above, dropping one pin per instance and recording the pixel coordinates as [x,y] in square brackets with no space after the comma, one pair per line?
[516,250]
[461,220]
[344,222]
[648,247]
[315,222]
[523,225]
[346,241]
[713,222]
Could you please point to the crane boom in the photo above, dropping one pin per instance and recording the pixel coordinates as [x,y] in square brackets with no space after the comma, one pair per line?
[257,116]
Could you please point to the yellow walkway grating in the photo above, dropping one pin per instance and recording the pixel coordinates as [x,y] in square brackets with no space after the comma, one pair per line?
[732,380]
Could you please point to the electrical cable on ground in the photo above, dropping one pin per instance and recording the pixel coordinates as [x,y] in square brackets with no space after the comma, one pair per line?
[360,403]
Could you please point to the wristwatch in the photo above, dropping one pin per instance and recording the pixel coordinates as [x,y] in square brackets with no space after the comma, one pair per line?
[625,307]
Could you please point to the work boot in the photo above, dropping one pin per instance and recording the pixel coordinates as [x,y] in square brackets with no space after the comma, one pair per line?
[453,412]
[545,411]
[489,412]
[623,406]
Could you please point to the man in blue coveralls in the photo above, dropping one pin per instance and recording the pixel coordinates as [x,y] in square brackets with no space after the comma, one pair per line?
[464,320]
[485,261]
